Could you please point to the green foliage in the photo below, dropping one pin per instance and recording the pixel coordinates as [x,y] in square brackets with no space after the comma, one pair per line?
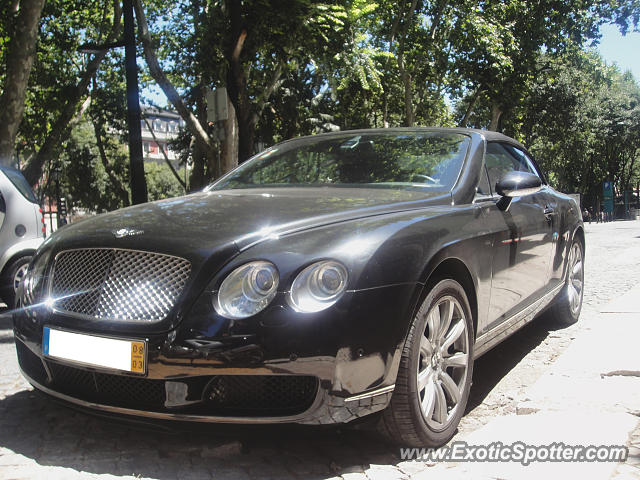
[582,121]
[64,26]
[160,182]
[309,66]
[83,179]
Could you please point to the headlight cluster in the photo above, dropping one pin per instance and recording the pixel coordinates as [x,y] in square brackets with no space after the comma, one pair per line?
[318,286]
[248,289]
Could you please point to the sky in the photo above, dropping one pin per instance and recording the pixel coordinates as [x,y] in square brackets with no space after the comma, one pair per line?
[624,51]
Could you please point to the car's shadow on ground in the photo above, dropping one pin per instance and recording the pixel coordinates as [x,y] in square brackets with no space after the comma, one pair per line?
[38,428]
[489,369]
[6,323]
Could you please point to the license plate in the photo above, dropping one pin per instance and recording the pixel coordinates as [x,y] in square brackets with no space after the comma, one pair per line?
[112,353]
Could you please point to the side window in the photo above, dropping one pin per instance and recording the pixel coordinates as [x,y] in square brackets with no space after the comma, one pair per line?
[499,161]
[483,184]
[524,158]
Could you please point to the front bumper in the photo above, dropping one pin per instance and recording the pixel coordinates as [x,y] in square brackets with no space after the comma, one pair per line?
[276,369]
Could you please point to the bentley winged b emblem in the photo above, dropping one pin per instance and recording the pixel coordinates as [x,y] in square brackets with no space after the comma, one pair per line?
[126,232]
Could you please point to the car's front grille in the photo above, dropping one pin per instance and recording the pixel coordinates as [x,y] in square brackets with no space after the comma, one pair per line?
[30,363]
[237,394]
[114,284]
[221,395]
[105,388]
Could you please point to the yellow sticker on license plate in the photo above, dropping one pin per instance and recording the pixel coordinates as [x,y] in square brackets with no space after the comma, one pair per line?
[137,357]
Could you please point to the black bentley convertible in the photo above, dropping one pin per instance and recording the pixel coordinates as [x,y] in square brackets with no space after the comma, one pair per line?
[325,279]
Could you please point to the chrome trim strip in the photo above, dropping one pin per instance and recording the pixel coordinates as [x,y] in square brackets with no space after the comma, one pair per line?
[372,393]
[486,341]
[176,416]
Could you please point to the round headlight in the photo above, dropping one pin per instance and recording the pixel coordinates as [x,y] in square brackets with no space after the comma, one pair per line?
[247,290]
[318,286]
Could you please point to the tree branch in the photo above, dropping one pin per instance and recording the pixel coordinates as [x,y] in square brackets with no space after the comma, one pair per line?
[237,49]
[20,55]
[406,76]
[472,104]
[113,178]
[164,154]
[33,169]
[269,89]
[192,123]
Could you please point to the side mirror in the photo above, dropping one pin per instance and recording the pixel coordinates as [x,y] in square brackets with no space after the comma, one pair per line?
[516,184]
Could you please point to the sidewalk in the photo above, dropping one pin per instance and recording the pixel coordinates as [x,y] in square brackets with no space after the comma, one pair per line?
[589,396]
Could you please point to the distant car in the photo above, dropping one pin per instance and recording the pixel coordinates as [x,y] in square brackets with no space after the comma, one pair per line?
[327,278]
[20,230]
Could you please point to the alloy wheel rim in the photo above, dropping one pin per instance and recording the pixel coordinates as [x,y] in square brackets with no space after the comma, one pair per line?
[576,278]
[19,275]
[443,363]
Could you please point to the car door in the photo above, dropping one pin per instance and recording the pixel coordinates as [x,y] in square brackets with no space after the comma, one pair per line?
[522,243]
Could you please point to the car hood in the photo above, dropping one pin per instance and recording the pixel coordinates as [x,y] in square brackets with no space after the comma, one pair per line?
[210,228]
[210,220]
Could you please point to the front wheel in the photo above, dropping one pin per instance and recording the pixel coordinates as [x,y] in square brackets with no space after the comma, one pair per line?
[435,371]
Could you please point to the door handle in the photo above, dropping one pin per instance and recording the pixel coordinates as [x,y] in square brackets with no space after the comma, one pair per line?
[548,212]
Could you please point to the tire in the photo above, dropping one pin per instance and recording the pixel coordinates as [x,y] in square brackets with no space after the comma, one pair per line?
[11,277]
[431,394]
[566,307]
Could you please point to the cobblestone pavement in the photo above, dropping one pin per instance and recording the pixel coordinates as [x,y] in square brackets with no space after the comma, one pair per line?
[41,439]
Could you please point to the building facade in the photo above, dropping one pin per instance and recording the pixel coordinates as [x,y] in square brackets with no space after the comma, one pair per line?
[165,125]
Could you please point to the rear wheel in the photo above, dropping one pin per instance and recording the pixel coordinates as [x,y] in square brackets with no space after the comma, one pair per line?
[11,278]
[435,371]
[568,304]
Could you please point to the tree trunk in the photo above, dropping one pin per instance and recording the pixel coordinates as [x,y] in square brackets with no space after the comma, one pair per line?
[404,74]
[33,169]
[200,152]
[385,109]
[192,123]
[210,156]
[230,144]
[496,112]
[247,113]
[237,85]
[469,111]
[239,96]
[408,97]
[246,137]
[20,55]
[113,177]
[196,178]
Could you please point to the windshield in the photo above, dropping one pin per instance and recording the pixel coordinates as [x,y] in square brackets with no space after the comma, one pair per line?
[20,183]
[408,160]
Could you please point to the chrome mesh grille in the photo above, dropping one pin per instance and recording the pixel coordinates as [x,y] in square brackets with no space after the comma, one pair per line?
[112,284]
